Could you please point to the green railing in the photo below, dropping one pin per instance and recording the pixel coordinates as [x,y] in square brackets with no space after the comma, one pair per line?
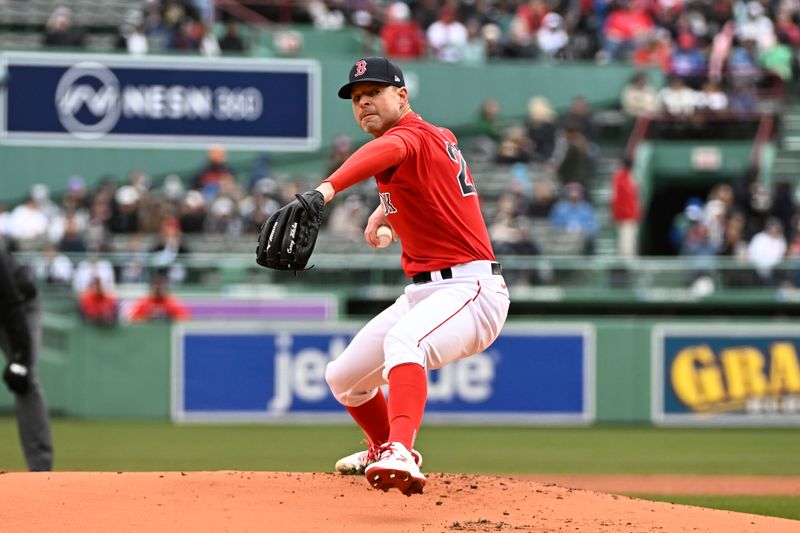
[562,277]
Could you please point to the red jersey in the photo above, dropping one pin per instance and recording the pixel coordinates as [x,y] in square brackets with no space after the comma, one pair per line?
[427,193]
[152,308]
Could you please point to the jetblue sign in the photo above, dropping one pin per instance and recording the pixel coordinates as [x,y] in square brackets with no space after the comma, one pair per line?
[165,102]
[539,373]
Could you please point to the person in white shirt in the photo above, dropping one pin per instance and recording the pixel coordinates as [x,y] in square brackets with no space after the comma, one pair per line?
[551,37]
[767,249]
[447,36]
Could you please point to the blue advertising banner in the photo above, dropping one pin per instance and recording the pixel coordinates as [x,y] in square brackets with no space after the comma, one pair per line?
[537,373]
[736,374]
[160,101]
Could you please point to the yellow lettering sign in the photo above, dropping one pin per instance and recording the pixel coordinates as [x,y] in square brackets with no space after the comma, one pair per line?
[784,375]
[744,372]
[696,378]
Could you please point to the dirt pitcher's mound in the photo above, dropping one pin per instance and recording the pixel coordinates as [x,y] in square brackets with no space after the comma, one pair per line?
[306,502]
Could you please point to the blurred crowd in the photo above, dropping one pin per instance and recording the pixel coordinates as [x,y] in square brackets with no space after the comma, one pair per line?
[758,229]
[718,57]
[158,26]
[149,226]
[699,40]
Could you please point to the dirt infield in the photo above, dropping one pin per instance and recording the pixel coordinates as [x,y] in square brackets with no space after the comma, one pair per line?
[300,502]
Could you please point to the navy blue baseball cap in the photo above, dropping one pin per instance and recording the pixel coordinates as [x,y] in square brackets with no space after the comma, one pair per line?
[377,69]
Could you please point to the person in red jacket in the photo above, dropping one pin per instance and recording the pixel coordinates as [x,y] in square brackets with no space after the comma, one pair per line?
[625,209]
[97,305]
[402,37]
[159,304]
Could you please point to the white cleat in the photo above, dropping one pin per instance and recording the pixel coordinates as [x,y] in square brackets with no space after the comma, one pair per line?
[355,464]
[396,468]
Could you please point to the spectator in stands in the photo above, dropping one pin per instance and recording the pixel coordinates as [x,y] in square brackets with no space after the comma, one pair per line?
[77,193]
[656,51]
[676,99]
[193,213]
[778,60]
[509,231]
[580,116]
[206,180]
[159,304]
[60,30]
[541,127]
[572,157]
[734,247]
[715,219]
[692,213]
[493,44]
[28,224]
[639,98]
[742,62]
[52,266]
[756,26]
[473,52]
[172,190]
[489,131]
[625,29]
[231,40]
[72,240]
[93,267]
[402,37]
[687,60]
[125,210]
[700,253]
[543,200]
[516,146]
[447,35]
[552,38]
[426,12]
[786,28]
[531,14]
[784,208]
[131,36]
[165,254]
[97,306]
[766,250]
[574,214]
[625,209]
[712,100]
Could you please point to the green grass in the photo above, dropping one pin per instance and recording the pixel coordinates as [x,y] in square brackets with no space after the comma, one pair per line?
[143,446]
[780,506]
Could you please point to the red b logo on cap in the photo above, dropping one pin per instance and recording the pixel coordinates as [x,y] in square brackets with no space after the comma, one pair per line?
[361,67]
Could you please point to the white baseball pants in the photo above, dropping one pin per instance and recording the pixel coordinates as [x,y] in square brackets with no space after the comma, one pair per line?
[431,324]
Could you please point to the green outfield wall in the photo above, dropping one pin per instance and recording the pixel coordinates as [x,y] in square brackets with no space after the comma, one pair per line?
[125,372]
[445,94]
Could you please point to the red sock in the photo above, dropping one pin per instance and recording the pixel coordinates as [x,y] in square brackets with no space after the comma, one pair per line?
[408,391]
[373,418]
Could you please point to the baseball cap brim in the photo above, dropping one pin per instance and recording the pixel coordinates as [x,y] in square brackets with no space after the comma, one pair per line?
[344,92]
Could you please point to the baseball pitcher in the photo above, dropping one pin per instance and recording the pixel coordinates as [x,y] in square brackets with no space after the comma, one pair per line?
[457,301]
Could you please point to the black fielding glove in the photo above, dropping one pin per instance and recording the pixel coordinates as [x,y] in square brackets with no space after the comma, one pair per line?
[288,237]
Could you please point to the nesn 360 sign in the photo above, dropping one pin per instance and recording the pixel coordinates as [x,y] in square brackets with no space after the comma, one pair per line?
[185,101]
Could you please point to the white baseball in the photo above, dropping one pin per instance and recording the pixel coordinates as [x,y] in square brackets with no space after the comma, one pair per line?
[384,236]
